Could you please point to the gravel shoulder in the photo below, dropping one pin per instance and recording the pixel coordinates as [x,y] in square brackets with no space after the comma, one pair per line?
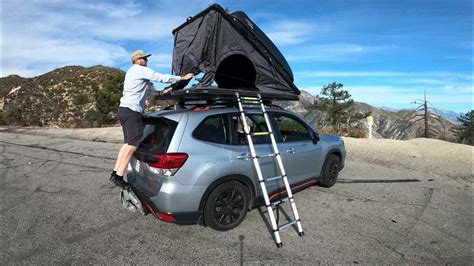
[445,159]
[430,156]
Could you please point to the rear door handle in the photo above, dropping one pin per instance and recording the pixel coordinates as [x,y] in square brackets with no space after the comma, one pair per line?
[244,156]
[292,151]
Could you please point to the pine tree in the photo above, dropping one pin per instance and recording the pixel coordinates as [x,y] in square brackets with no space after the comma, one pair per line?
[335,101]
[338,104]
[465,131]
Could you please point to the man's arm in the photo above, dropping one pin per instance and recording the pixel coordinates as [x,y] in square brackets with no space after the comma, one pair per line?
[149,74]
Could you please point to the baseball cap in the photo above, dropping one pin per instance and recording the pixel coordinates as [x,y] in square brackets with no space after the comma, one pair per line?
[139,54]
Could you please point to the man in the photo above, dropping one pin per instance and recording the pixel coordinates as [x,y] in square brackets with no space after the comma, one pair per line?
[137,86]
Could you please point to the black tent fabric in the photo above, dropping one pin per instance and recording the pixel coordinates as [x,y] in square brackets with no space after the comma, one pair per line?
[232,52]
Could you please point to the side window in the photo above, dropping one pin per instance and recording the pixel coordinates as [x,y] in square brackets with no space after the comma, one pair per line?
[256,123]
[212,129]
[291,129]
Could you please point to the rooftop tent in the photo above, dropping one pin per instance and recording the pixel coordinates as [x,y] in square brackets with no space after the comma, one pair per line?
[232,52]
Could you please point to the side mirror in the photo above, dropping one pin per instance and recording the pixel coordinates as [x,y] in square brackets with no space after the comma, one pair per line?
[315,137]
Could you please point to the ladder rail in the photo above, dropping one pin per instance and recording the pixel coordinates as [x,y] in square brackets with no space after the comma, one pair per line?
[255,160]
[282,168]
[259,172]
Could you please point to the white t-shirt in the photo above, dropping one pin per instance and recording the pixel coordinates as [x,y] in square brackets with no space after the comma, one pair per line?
[137,86]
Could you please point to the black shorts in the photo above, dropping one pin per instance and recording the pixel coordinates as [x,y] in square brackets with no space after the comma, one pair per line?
[132,126]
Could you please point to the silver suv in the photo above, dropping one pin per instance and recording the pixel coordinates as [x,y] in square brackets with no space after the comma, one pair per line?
[193,165]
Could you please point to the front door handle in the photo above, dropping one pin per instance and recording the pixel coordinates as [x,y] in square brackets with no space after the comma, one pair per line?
[244,156]
[291,150]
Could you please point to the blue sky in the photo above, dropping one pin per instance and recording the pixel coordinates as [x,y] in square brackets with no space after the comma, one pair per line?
[386,53]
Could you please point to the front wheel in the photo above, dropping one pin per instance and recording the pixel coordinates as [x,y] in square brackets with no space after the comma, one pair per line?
[227,206]
[330,171]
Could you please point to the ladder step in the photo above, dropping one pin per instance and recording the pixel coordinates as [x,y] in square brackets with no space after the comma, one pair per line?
[278,202]
[249,98]
[250,102]
[263,133]
[252,112]
[274,178]
[266,156]
[290,223]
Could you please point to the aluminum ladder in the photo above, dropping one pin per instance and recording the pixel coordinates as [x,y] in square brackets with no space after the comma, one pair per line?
[276,153]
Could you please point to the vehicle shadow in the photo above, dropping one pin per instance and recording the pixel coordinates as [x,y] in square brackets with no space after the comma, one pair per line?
[376,180]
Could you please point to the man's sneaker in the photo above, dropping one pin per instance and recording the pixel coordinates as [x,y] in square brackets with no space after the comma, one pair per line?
[118,181]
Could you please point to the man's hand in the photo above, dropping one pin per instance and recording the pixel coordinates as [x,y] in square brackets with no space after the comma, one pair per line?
[165,91]
[187,76]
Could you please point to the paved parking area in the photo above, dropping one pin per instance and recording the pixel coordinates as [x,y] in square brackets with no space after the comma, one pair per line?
[57,207]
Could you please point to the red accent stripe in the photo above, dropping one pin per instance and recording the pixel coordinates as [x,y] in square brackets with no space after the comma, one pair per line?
[161,216]
[152,211]
[307,184]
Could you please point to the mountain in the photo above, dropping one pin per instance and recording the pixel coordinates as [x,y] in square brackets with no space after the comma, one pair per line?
[387,124]
[76,96]
[448,114]
[64,97]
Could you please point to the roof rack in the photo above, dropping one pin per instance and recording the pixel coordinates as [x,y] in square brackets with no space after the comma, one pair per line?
[217,97]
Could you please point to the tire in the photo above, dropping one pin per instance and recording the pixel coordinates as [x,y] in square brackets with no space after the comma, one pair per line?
[227,206]
[330,172]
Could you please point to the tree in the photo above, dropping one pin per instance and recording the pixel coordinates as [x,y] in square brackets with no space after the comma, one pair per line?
[427,117]
[465,131]
[338,105]
[108,99]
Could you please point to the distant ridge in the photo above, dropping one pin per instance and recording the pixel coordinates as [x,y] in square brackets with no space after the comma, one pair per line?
[64,97]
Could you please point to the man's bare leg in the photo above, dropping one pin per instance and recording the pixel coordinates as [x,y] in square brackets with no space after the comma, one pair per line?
[123,158]
[120,157]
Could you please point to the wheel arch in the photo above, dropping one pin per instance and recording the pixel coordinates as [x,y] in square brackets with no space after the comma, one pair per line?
[245,180]
[336,152]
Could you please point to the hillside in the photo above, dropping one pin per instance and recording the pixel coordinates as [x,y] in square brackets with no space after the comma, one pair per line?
[387,124]
[65,97]
[75,97]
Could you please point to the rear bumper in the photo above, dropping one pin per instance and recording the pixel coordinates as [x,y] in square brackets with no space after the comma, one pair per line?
[149,207]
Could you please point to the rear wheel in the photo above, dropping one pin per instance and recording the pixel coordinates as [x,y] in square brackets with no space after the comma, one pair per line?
[227,206]
[330,171]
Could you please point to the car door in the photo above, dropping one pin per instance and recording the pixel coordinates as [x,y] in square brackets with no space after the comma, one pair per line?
[299,146]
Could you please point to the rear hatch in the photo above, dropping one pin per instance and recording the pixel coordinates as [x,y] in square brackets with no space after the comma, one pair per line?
[151,162]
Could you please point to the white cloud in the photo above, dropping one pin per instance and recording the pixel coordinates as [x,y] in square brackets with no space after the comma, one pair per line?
[292,32]
[332,52]
[43,35]
[30,59]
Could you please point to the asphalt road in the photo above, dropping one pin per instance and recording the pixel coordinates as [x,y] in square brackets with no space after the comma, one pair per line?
[57,207]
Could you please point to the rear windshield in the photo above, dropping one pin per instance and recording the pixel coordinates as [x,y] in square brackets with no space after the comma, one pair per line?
[157,134]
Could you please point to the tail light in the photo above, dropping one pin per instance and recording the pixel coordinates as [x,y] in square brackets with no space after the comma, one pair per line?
[167,164]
